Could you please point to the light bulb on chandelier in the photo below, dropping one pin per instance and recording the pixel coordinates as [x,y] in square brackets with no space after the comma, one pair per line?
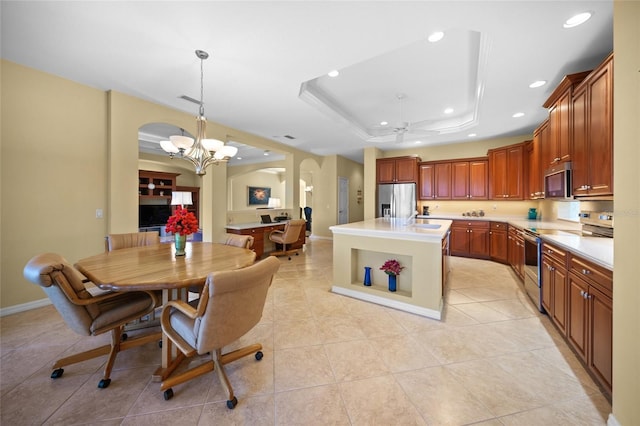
[202,152]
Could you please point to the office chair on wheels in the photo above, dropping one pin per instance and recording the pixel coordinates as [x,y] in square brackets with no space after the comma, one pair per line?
[287,237]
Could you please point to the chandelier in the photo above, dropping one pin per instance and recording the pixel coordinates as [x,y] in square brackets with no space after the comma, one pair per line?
[202,152]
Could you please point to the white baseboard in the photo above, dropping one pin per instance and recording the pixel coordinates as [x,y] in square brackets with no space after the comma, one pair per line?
[318,237]
[24,307]
[611,421]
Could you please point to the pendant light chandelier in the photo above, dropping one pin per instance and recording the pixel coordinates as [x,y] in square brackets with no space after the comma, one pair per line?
[202,152]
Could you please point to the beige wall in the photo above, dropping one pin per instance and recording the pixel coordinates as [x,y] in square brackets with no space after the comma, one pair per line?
[626,274]
[238,192]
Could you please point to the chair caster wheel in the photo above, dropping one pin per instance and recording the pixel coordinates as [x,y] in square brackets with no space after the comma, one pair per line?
[124,337]
[259,355]
[104,383]
[168,394]
[57,373]
[231,404]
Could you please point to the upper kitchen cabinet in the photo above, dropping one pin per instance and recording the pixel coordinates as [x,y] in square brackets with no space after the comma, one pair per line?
[593,133]
[506,172]
[469,180]
[559,146]
[397,170]
[435,181]
[534,155]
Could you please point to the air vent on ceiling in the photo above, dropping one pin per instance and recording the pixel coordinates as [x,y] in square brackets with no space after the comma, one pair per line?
[190,99]
[289,137]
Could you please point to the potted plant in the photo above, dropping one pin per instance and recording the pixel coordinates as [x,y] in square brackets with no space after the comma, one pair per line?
[392,268]
[181,223]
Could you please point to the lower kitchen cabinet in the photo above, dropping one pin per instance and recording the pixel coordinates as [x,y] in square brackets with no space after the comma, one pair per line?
[554,285]
[515,251]
[590,318]
[498,248]
[470,239]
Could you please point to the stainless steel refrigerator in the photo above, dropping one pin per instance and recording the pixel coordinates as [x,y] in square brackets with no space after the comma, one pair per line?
[399,198]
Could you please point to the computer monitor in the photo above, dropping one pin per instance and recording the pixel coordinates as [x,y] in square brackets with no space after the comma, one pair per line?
[265,218]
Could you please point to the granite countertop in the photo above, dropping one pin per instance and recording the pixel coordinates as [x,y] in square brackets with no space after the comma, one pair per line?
[430,230]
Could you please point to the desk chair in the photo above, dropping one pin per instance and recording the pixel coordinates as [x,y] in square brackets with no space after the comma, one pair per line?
[136,239]
[89,315]
[287,237]
[231,304]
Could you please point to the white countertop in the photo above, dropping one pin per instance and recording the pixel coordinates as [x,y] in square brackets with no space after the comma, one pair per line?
[398,228]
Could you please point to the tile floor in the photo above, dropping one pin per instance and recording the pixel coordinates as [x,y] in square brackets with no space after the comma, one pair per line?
[329,359]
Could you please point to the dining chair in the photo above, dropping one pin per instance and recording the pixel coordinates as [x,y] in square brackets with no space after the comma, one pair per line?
[136,239]
[287,237]
[88,314]
[231,304]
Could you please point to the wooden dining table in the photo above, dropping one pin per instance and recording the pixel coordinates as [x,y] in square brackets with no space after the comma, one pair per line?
[156,267]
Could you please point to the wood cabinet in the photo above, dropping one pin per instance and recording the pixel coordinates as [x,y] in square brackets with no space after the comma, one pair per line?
[158,185]
[506,172]
[469,180]
[498,249]
[470,238]
[554,285]
[535,170]
[435,181]
[515,251]
[397,170]
[559,146]
[592,171]
[590,317]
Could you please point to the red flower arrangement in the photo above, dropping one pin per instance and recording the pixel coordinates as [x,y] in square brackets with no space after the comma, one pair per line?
[182,222]
[391,267]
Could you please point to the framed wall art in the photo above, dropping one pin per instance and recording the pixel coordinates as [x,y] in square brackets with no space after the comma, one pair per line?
[259,195]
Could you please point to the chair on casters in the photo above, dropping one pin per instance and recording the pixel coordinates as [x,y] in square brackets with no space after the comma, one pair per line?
[89,315]
[136,239]
[287,237]
[231,304]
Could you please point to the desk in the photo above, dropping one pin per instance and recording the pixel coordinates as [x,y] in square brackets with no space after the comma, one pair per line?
[257,231]
[157,268]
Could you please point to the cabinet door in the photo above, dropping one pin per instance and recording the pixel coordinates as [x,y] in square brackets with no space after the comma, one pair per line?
[577,318]
[427,183]
[601,329]
[514,176]
[559,297]
[580,165]
[479,243]
[406,170]
[459,241]
[498,176]
[498,245]
[547,285]
[563,145]
[601,132]
[478,180]
[385,170]
[535,171]
[442,181]
[460,180]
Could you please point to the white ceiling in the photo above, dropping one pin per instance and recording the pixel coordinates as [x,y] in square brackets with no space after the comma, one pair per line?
[264,55]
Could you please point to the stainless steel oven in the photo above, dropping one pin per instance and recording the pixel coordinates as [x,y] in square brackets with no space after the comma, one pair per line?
[532,261]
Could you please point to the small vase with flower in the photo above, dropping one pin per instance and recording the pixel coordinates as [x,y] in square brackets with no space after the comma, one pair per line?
[392,268]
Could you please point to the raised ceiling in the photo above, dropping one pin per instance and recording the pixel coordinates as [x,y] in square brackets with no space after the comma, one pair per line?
[268,62]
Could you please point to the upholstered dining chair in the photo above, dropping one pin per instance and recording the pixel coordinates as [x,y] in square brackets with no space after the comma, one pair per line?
[87,314]
[136,239]
[287,237]
[231,304]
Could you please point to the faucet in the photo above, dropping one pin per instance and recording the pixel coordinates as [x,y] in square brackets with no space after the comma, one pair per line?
[411,218]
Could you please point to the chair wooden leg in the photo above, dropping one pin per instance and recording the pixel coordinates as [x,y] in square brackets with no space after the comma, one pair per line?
[217,359]
[187,375]
[82,356]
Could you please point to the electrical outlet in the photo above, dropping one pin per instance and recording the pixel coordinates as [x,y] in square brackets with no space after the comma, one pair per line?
[495,206]
[99,214]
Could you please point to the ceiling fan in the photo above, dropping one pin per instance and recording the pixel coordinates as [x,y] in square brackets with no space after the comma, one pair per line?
[399,129]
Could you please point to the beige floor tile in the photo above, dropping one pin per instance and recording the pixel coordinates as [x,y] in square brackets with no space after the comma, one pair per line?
[339,329]
[295,333]
[321,405]
[302,367]
[183,416]
[353,360]
[440,398]
[454,297]
[403,352]
[379,324]
[257,410]
[481,312]
[379,401]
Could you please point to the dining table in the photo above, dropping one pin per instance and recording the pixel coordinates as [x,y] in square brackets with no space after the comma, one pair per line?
[156,267]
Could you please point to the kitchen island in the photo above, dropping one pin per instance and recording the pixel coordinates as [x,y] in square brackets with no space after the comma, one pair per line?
[419,245]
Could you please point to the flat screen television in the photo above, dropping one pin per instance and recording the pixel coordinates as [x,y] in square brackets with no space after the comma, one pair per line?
[153,215]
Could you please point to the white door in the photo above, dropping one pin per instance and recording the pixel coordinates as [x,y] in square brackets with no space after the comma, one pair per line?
[343,200]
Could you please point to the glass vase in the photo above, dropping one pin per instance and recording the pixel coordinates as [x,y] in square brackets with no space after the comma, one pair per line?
[367,275]
[181,243]
[392,282]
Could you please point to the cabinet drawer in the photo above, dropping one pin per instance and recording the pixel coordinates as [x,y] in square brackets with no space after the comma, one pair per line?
[554,253]
[593,274]
[496,226]
[480,224]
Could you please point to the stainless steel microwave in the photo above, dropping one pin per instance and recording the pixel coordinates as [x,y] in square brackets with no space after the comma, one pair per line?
[557,182]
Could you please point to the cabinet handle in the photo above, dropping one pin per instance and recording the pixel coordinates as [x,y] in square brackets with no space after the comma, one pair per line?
[582,293]
[555,160]
[586,271]
[549,251]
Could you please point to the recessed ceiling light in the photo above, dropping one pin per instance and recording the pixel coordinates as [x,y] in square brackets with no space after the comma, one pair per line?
[518,115]
[238,158]
[576,20]
[437,36]
[472,135]
[266,152]
[448,110]
[383,123]
[538,83]
[334,73]
[417,142]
